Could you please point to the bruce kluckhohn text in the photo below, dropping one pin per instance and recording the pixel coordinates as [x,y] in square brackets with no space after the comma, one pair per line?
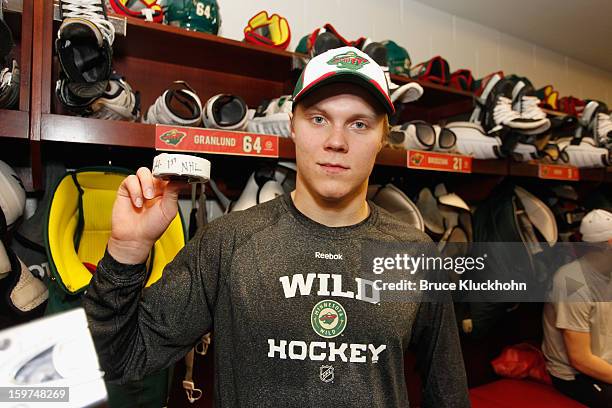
[464,285]
[409,264]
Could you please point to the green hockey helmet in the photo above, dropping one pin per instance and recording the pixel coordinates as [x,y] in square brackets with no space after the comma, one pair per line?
[195,15]
[398,57]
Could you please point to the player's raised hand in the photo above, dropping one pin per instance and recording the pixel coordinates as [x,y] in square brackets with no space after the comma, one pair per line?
[144,208]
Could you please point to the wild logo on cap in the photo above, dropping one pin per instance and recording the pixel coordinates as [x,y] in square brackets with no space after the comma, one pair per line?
[348,60]
[328,318]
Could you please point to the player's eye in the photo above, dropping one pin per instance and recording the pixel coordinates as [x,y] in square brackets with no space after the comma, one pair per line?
[318,120]
[360,125]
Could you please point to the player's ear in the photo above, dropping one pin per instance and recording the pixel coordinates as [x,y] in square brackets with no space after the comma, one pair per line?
[385,132]
[291,118]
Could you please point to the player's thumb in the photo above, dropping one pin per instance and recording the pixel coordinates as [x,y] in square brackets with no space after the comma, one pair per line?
[169,200]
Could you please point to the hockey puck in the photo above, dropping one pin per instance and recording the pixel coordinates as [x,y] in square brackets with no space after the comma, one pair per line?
[181,167]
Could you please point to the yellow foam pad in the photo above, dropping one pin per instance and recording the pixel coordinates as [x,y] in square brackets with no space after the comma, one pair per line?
[99,190]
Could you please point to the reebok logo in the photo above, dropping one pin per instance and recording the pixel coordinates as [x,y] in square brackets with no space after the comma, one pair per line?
[321,255]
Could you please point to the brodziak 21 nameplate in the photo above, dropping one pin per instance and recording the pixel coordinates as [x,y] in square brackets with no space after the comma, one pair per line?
[200,140]
[439,161]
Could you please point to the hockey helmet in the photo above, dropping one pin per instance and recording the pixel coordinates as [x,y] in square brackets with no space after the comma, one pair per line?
[195,15]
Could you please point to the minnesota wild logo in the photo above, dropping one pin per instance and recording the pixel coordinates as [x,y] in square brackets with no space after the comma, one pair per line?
[348,60]
[172,137]
[417,158]
[328,319]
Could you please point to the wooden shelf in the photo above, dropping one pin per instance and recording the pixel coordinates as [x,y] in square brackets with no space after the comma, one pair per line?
[177,46]
[459,93]
[530,169]
[437,103]
[73,129]
[14,124]
[493,167]
[608,175]
[523,169]
[211,64]
[18,16]
[174,45]
[596,175]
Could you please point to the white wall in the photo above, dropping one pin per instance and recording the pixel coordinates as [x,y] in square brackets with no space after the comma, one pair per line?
[426,32]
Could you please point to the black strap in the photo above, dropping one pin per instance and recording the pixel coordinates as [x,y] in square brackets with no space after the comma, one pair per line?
[3,226]
[81,220]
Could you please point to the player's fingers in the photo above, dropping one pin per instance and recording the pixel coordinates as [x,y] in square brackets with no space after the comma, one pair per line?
[169,201]
[159,186]
[146,182]
[172,190]
[131,186]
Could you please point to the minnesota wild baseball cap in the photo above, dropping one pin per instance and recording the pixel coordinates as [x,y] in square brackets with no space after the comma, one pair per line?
[345,64]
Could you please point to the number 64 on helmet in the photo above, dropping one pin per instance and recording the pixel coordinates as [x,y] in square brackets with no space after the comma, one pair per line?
[194,15]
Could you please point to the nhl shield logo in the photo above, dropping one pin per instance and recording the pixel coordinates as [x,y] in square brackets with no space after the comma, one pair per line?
[326,373]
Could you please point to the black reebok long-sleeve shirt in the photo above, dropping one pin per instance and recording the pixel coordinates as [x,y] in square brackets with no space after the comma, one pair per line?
[291,325]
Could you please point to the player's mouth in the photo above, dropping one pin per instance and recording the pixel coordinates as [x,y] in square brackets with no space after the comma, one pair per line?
[333,168]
